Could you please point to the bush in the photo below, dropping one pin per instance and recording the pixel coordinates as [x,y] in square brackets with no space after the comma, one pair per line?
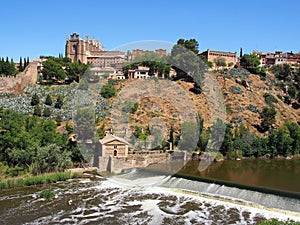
[37,111]
[253,108]
[270,99]
[277,222]
[240,109]
[236,90]
[3,185]
[48,100]
[35,100]
[47,194]
[108,91]
[47,112]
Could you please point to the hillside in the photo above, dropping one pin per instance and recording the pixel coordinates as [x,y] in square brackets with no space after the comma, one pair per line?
[244,98]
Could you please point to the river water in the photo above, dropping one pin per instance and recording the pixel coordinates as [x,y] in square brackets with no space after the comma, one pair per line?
[139,197]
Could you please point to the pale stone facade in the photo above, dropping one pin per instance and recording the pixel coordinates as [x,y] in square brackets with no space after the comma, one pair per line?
[113,146]
[230,57]
[137,52]
[91,51]
[141,72]
[278,57]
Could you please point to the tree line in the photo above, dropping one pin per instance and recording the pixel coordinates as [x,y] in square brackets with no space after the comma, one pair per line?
[33,144]
[62,69]
[7,67]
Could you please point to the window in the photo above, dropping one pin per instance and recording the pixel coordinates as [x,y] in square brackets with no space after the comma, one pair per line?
[115,146]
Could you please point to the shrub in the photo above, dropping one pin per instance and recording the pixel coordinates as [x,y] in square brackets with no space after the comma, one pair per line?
[236,90]
[48,100]
[108,91]
[240,109]
[47,112]
[253,108]
[47,194]
[270,99]
[3,185]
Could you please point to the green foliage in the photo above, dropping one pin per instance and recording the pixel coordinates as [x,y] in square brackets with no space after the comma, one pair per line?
[37,111]
[48,100]
[191,44]
[220,61]
[140,133]
[59,102]
[268,117]
[209,64]
[236,90]
[51,158]
[35,99]
[75,70]
[277,222]
[108,91]
[270,99]
[28,141]
[282,72]
[47,194]
[292,91]
[251,63]
[47,112]
[253,108]
[52,69]
[58,119]
[101,132]
[7,68]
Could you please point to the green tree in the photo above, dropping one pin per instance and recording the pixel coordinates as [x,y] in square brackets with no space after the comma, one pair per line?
[108,91]
[21,65]
[209,64]
[48,100]
[101,131]
[51,158]
[171,137]
[52,69]
[267,115]
[220,61]
[191,44]
[227,144]
[75,70]
[59,102]
[47,112]
[37,111]
[250,62]
[35,99]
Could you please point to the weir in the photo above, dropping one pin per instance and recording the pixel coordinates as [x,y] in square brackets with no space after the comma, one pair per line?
[270,198]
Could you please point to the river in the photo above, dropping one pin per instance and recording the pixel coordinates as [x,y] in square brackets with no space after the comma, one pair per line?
[143,197]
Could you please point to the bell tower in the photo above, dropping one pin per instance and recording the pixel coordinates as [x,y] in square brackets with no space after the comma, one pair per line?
[75,48]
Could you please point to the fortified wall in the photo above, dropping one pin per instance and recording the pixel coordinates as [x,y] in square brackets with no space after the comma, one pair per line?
[14,85]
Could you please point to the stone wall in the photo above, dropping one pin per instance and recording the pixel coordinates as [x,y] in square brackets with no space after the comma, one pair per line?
[117,164]
[14,85]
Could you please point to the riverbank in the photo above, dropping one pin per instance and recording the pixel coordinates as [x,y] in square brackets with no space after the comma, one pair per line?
[48,178]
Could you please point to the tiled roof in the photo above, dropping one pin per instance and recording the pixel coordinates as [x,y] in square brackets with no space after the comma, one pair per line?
[110,138]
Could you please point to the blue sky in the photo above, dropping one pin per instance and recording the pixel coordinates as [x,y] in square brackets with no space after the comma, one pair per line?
[33,28]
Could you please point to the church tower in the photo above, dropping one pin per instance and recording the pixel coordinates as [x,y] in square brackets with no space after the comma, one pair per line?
[76,49]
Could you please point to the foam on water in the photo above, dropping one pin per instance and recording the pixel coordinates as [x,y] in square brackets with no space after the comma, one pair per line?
[138,200]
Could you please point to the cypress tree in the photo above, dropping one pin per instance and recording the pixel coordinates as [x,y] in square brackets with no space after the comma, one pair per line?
[21,65]
[48,100]
[241,53]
